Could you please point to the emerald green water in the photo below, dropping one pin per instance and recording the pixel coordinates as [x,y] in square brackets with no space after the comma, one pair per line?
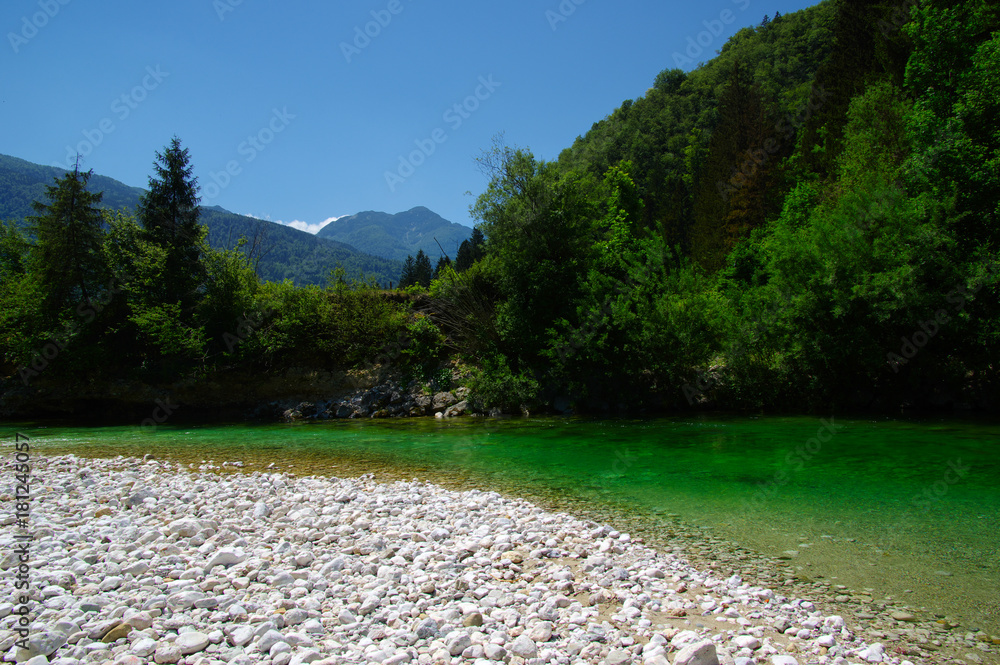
[852,507]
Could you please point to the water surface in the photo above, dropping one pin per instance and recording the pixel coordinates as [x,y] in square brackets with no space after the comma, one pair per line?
[896,509]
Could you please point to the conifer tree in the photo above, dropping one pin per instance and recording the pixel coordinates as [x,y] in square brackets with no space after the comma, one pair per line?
[66,259]
[169,216]
[443,263]
[422,271]
[407,277]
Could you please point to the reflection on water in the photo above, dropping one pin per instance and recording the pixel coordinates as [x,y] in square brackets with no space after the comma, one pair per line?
[906,509]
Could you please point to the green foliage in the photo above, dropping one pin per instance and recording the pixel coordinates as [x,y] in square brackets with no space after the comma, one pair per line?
[66,257]
[169,216]
[426,348]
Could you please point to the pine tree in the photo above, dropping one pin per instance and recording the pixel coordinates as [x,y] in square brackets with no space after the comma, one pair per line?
[169,216]
[478,241]
[422,271]
[67,259]
[408,276]
[443,263]
[465,257]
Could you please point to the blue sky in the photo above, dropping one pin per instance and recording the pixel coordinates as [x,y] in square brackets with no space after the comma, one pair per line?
[302,111]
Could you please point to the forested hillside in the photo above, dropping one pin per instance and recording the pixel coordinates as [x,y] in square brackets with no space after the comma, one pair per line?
[807,220]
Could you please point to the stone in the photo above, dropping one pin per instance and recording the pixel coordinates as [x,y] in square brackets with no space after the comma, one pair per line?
[456,642]
[473,620]
[43,643]
[783,660]
[494,651]
[618,657]
[184,527]
[523,647]
[697,653]
[268,640]
[427,628]
[119,632]
[746,642]
[903,616]
[143,647]
[192,642]
[541,632]
[226,556]
[241,636]
[167,653]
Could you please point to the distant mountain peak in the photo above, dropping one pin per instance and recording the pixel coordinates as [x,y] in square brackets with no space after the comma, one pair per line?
[396,236]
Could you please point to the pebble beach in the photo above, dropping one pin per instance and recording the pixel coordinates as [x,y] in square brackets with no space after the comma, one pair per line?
[135,561]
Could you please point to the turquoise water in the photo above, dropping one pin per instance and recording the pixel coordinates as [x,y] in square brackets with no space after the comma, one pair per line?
[902,509]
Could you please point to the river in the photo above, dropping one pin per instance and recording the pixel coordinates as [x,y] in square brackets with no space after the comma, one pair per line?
[890,508]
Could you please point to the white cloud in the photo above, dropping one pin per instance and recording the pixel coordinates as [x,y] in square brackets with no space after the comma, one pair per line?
[310,228]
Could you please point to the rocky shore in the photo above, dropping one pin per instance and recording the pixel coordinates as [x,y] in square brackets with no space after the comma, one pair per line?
[146,561]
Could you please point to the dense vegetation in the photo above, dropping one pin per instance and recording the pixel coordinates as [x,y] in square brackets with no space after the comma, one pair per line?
[99,296]
[808,220]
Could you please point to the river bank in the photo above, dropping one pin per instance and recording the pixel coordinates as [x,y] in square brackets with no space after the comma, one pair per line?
[148,561]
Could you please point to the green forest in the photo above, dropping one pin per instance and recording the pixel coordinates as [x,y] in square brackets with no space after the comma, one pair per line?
[807,221]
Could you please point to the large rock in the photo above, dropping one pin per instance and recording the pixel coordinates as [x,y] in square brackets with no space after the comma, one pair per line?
[442,400]
[192,642]
[698,653]
[184,527]
[226,556]
[42,643]
[523,647]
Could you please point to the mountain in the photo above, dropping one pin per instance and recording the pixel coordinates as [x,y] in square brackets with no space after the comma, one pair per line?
[397,236]
[292,254]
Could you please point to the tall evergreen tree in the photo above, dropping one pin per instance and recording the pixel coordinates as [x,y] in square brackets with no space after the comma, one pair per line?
[465,257]
[408,276]
[66,258]
[443,262]
[422,270]
[478,241]
[169,215]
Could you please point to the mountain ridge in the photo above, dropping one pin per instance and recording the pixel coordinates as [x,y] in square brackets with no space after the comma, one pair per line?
[396,236]
[298,255]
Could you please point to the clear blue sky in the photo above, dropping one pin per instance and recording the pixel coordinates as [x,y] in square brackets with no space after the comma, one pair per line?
[308,115]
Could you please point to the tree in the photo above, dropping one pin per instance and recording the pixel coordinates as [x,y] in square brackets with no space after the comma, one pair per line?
[67,258]
[737,181]
[443,263]
[422,271]
[478,241]
[464,260]
[169,216]
[13,252]
[408,276]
